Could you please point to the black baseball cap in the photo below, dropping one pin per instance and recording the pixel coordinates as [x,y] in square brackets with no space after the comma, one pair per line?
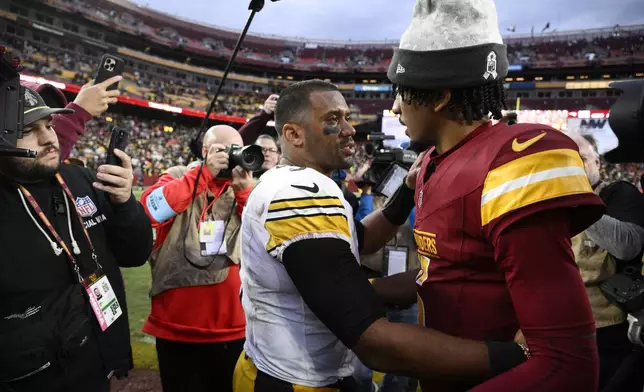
[36,108]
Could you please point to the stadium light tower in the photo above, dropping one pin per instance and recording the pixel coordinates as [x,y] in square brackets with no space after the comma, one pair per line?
[195,145]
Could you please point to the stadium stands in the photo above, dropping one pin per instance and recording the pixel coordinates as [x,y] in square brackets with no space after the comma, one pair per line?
[169,60]
[79,69]
[152,77]
[610,46]
[157,145]
[154,145]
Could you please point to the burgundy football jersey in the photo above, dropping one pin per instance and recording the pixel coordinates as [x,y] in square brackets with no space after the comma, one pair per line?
[494,177]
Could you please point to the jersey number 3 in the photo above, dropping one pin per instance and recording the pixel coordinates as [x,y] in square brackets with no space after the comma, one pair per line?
[424,269]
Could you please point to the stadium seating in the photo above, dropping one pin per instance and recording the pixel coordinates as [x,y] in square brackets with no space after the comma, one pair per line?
[154,145]
[611,46]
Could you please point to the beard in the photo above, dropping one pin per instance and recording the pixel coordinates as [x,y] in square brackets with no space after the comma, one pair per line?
[26,170]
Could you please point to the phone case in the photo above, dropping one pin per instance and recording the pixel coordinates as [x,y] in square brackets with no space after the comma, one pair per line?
[119,139]
[108,67]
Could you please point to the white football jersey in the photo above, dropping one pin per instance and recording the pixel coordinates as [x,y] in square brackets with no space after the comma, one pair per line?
[283,337]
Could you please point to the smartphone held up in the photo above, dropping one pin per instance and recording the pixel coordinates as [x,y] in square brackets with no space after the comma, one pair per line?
[109,67]
[118,140]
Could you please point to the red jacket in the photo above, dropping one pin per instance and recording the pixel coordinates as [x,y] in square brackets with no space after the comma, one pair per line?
[217,315]
[69,127]
[493,228]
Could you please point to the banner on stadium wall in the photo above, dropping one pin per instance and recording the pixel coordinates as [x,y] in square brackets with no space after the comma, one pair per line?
[599,128]
[373,87]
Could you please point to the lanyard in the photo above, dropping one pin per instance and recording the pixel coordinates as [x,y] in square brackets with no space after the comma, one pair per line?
[34,204]
[204,212]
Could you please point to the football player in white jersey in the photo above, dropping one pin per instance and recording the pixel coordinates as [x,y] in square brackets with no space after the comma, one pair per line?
[308,305]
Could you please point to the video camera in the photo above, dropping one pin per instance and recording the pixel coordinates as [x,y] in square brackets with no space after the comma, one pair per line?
[250,158]
[626,291]
[626,119]
[11,108]
[389,166]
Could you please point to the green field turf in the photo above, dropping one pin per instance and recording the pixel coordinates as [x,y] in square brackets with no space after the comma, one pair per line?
[137,286]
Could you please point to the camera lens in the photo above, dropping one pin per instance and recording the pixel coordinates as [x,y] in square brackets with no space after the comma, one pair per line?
[249,158]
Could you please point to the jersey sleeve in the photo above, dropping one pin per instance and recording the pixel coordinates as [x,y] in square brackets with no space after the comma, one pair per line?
[537,170]
[296,214]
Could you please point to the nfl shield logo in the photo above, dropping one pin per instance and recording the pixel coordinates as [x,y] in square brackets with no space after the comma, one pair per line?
[85,206]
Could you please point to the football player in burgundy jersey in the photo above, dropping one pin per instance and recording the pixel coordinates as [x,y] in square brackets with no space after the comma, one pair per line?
[496,207]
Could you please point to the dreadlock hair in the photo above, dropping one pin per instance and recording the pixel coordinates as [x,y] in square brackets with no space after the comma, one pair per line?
[467,104]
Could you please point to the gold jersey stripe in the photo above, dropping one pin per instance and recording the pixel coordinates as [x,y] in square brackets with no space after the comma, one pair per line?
[424,233]
[286,229]
[537,177]
[309,202]
[535,192]
[530,164]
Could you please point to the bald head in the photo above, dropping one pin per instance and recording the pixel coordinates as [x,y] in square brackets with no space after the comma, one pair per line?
[221,134]
[589,155]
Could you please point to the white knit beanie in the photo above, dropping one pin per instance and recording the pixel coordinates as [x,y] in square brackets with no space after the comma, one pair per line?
[450,44]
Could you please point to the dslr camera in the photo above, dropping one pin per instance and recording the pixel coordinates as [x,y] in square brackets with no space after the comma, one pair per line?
[250,158]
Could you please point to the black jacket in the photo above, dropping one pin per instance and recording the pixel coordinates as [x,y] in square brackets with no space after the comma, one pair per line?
[44,313]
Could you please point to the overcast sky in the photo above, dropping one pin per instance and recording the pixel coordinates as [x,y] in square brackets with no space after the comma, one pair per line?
[387,19]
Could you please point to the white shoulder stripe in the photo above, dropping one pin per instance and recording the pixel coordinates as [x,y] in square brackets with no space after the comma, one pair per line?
[305,212]
[533,178]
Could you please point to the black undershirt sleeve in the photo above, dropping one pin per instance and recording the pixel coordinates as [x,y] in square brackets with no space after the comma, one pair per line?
[359,234]
[333,286]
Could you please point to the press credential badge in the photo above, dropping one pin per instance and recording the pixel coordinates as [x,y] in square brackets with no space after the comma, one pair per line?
[211,237]
[104,303]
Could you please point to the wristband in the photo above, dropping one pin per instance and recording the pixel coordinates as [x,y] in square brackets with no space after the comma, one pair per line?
[399,205]
[504,356]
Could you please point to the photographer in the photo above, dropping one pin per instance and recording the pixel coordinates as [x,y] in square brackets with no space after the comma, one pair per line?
[614,241]
[196,314]
[63,316]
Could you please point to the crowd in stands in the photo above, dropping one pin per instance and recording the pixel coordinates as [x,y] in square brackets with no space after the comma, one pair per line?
[630,172]
[612,46]
[615,48]
[68,66]
[155,146]
[76,68]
